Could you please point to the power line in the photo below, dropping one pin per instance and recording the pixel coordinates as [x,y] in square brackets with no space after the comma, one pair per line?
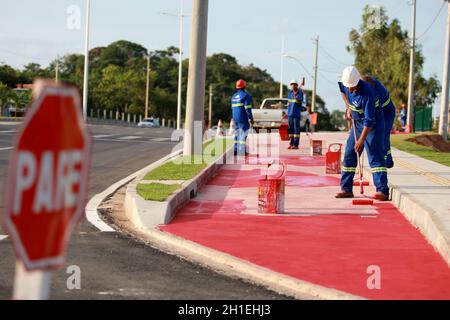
[330,56]
[434,21]
[21,55]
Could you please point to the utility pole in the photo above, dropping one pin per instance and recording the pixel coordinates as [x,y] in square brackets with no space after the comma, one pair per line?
[210,106]
[86,62]
[147,89]
[57,70]
[195,101]
[316,61]
[411,94]
[283,40]
[443,120]
[180,68]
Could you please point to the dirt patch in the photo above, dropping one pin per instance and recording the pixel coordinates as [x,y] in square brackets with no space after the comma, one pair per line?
[433,141]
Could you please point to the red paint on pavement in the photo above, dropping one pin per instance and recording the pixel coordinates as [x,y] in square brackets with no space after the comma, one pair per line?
[249,179]
[301,160]
[333,251]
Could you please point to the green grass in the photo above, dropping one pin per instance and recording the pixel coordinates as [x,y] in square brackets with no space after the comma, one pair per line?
[186,168]
[156,191]
[399,142]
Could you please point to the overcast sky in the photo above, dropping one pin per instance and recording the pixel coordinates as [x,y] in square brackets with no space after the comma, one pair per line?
[36,30]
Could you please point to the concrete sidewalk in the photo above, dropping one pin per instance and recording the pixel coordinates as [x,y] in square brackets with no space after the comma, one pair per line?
[320,239]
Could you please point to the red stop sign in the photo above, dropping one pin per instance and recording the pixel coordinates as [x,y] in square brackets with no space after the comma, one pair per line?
[47,177]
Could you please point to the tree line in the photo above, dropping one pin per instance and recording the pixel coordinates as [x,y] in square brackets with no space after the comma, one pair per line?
[118,75]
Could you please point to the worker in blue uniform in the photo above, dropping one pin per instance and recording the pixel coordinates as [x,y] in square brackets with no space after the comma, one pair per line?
[389,113]
[365,109]
[294,114]
[241,103]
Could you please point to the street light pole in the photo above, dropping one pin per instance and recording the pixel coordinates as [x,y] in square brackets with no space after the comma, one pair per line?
[195,102]
[443,120]
[181,16]
[412,71]
[86,62]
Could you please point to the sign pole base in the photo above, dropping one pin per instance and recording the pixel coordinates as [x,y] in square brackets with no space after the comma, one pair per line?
[31,285]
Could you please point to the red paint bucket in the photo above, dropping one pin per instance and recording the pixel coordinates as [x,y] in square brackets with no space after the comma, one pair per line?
[333,158]
[271,193]
[284,132]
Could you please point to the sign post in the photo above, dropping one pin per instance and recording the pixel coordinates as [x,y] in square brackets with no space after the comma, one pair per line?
[46,186]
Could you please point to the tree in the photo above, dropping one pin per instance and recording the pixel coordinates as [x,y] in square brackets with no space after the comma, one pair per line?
[8,75]
[383,50]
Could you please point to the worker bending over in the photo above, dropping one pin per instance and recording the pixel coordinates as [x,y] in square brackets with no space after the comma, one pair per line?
[364,108]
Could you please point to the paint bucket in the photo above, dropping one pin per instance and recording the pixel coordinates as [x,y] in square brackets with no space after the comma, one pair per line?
[316,148]
[284,132]
[333,159]
[271,193]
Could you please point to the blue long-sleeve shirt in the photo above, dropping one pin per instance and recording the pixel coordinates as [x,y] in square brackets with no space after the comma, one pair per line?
[363,102]
[242,103]
[295,104]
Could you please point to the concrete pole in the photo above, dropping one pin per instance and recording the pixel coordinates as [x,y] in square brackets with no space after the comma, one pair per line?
[180,67]
[57,70]
[411,107]
[147,89]
[282,65]
[86,62]
[316,61]
[210,106]
[195,103]
[443,120]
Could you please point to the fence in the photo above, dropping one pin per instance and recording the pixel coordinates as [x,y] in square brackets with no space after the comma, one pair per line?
[122,118]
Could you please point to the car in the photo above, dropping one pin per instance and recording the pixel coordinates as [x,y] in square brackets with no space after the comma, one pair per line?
[149,123]
[272,113]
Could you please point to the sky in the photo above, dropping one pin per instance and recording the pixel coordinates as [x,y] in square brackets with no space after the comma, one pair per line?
[251,30]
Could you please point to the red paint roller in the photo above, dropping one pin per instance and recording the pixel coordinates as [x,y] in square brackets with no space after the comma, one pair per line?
[362,202]
[356,183]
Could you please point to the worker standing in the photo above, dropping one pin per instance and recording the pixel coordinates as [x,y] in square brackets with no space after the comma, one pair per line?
[389,111]
[365,110]
[241,103]
[294,113]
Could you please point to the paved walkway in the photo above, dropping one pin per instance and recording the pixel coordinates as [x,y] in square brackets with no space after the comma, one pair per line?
[320,239]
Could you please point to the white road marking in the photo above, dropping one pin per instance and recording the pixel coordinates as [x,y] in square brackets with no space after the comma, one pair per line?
[7,148]
[7,131]
[91,209]
[161,139]
[129,138]
[3,237]
[100,136]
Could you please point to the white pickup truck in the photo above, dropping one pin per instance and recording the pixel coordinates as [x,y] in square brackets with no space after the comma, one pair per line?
[270,115]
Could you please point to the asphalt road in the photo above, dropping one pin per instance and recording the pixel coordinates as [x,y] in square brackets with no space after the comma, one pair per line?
[112,265]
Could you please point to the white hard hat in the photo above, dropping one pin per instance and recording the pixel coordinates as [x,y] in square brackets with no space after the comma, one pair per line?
[351,77]
[293,82]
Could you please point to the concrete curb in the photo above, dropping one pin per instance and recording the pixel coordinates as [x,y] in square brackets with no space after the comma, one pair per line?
[148,214]
[91,209]
[242,269]
[423,217]
[420,216]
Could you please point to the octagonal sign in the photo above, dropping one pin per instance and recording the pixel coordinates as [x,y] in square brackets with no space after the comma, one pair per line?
[47,177]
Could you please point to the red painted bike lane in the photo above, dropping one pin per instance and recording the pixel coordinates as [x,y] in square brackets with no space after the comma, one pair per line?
[322,240]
